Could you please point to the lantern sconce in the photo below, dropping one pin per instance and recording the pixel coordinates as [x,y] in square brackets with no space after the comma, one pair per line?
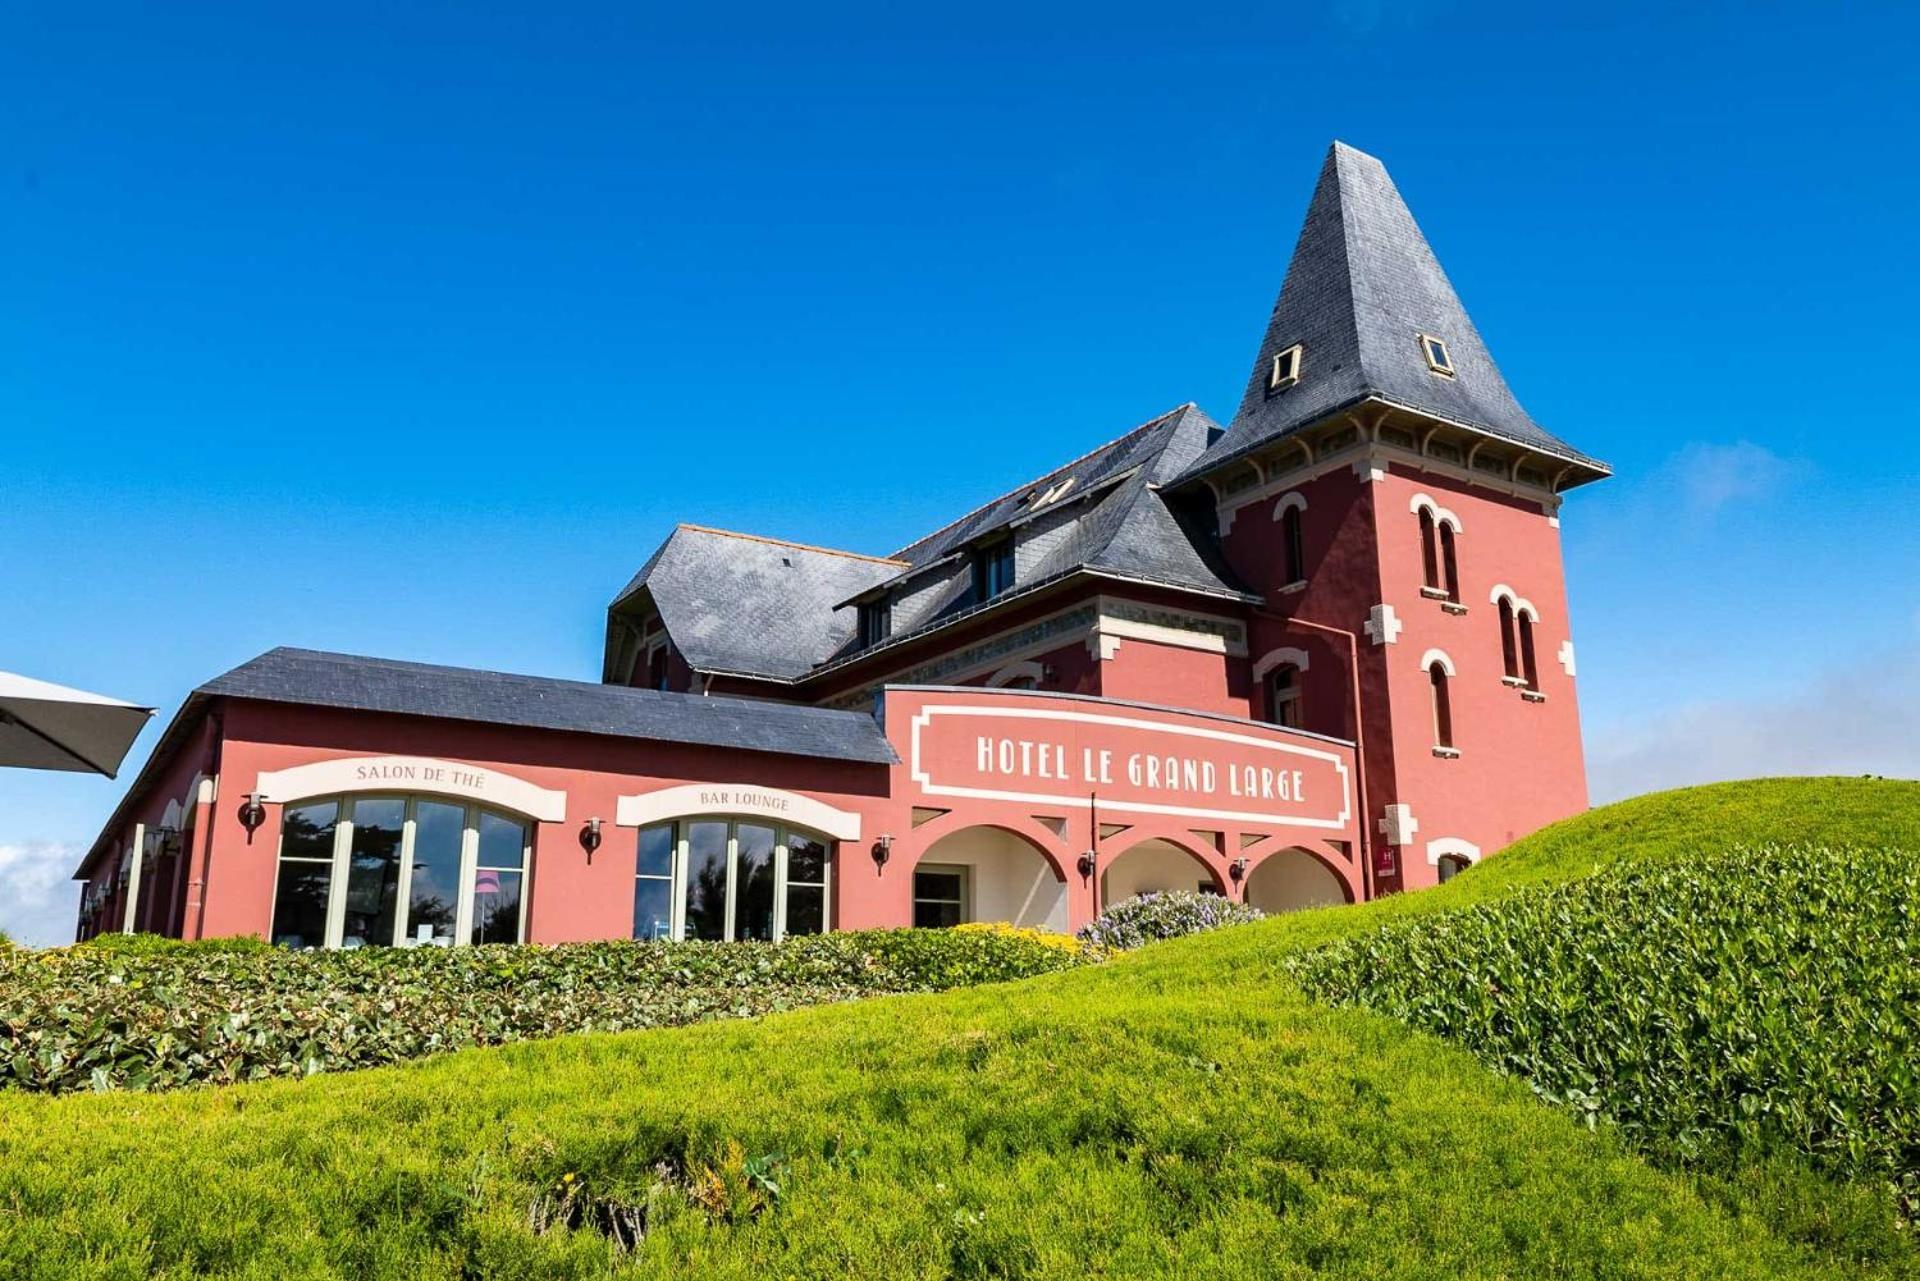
[252,814]
[1237,870]
[590,837]
[1088,861]
[882,851]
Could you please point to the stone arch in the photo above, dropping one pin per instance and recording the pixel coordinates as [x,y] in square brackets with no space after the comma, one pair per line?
[1291,499]
[1294,878]
[1441,515]
[1521,606]
[1439,656]
[1017,671]
[994,872]
[1154,862]
[1274,657]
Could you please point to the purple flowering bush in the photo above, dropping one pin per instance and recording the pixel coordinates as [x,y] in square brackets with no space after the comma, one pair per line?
[1164,914]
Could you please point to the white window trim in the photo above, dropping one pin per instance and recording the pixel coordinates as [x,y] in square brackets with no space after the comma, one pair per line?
[1521,605]
[1445,371]
[1292,498]
[1441,515]
[1275,381]
[1442,846]
[1015,671]
[783,834]
[1275,657]
[1432,656]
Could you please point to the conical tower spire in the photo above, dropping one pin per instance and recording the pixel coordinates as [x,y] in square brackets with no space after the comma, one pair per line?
[1364,296]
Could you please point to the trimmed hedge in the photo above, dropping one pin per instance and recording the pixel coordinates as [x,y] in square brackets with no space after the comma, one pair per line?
[1163,914]
[1727,1009]
[137,1012]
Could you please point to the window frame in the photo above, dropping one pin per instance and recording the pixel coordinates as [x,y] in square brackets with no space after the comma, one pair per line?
[782,840]
[340,862]
[1443,366]
[1293,545]
[988,559]
[874,621]
[1441,698]
[964,871]
[1284,371]
[1295,697]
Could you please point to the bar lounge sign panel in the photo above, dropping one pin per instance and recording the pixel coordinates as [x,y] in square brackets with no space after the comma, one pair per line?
[1187,767]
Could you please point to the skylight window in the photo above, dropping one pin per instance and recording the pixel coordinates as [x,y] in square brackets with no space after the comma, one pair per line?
[1438,358]
[1052,493]
[1286,369]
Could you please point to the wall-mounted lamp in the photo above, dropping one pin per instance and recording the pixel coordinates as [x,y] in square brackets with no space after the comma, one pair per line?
[1088,861]
[590,837]
[882,851]
[252,814]
[1237,870]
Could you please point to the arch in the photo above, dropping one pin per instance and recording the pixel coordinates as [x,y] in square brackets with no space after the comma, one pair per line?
[695,799]
[1153,864]
[988,872]
[1452,846]
[1274,657]
[348,775]
[1290,879]
[1520,605]
[1432,656]
[1292,500]
[1015,672]
[1440,515]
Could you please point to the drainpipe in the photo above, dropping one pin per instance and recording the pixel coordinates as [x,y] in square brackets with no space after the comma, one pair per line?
[198,886]
[1359,737]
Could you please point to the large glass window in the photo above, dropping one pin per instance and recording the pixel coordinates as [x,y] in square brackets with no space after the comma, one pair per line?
[358,871]
[939,896]
[717,879]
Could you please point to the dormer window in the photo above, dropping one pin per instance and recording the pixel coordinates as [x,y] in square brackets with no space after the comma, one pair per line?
[992,570]
[1438,358]
[876,622]
[1286,370]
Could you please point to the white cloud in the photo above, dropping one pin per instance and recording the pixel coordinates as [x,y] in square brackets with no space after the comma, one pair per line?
[37,898]
[1862,719]
[1712,476]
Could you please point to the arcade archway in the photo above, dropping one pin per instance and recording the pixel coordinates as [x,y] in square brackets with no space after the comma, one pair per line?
[1291,879]
[1154,866]
[988,874]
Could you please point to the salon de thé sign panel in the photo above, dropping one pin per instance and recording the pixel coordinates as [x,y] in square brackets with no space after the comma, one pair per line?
[1053,750]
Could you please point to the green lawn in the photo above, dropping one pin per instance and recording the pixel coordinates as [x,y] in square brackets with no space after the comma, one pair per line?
[1183,1111]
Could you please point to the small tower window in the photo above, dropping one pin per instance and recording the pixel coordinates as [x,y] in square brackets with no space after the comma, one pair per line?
[1449,563]
[1509,650]
[1293,546]
[1286,369]
[1283,696]
[1429,551]
[1442,708]
[1438,358]
[992,570]
[1529,671]
[876,622]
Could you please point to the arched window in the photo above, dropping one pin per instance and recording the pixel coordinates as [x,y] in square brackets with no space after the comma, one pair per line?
[1429,553]
[721,879]
[1451,865]
[1293,546]
[1509,652]
[1283,696]
[360,871]
[1449,563]
[1528,670]
[1437,675]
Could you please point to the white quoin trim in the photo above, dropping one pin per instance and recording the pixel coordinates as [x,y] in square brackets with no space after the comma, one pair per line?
[413,774]
[1441,516]
[1292,498]
[1369,470]
[1275,657]
[1382,625]
[736,798]
[1440,847]
[1397,824]
[1522,607]
[1014,671]
[1566,656]
[1433,656]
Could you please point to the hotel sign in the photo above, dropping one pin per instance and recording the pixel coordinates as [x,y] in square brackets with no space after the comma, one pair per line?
[1134,759]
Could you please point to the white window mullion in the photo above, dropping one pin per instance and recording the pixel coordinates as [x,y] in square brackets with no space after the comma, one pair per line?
[780,886]
[733,868]
[342,863]
[677,909]
[469,858]
[404,892]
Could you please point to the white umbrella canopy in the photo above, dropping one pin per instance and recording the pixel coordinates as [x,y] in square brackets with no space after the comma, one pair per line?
[48,726]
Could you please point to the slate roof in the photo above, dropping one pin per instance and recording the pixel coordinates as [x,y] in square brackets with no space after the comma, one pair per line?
[317,679]
[736,603]
[1363,284]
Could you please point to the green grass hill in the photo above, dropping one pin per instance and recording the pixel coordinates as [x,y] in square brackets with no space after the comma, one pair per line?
[1183,1111]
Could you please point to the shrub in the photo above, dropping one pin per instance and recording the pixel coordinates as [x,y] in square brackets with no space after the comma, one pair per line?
[138,1012]
[1727,1008]
[1163,915]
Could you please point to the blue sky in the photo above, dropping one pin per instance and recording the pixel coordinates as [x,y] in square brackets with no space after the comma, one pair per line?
[409,330]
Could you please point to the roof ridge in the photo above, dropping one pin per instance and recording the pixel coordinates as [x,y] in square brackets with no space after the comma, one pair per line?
[787,542]
[997,499]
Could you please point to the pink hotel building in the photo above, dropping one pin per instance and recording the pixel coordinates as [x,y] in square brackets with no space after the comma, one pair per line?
[1314,656]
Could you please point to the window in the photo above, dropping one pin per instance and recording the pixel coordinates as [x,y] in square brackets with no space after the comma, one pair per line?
[1293,546]
[1429,551]
[1451,865]
[736,879]
[1283,696]
[657,666]
[1528,671]
[364,871]
[876,621]
[1438,359]
[1449,564]
[1442,707]
[992,570]
[1509,651]
[1285,371]
[939,896]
